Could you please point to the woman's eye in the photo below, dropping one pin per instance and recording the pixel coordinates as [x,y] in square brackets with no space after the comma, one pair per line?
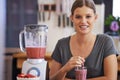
[77,17]
[88,16]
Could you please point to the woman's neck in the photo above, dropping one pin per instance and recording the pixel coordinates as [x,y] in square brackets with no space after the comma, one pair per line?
[84,39]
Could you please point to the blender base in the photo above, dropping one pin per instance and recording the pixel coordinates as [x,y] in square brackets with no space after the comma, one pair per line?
[40,69]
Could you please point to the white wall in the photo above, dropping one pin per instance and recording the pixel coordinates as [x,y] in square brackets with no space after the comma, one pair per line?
[99,25]
[55,32]
[2,35]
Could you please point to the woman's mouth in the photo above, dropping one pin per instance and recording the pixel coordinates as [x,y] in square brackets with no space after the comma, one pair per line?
[83,27]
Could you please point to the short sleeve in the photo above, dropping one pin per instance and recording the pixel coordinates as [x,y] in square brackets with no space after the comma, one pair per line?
[56,53]
[109,47]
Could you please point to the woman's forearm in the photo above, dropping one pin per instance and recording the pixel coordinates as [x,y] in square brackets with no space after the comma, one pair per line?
[60,75]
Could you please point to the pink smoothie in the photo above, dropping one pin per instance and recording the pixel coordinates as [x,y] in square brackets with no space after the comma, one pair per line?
[35,53]
[81,74]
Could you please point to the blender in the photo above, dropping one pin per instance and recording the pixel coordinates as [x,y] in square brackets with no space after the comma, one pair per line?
[34,37]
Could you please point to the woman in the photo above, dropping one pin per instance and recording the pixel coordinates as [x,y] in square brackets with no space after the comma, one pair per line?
[96,52]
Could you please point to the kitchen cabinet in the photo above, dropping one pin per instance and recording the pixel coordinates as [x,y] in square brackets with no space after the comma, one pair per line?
[18,14]
[8,66]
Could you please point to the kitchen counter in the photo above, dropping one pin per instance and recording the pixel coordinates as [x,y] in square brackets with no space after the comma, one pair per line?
[20,56]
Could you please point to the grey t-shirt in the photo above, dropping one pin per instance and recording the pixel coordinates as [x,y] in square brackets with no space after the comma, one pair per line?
[103,47]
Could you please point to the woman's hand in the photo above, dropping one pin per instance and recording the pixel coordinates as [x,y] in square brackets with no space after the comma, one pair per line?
[57,72]
[73,62]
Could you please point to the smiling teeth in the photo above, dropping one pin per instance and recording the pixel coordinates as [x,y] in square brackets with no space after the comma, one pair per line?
[83,26]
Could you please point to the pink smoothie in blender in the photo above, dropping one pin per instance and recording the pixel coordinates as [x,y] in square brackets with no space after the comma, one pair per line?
[37,52]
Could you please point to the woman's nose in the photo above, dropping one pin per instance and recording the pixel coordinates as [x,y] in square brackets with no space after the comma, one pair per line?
[83,20]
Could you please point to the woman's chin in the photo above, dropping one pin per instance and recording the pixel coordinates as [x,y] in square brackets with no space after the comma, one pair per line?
[84,31]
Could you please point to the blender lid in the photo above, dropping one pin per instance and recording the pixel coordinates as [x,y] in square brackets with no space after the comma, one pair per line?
[36,27]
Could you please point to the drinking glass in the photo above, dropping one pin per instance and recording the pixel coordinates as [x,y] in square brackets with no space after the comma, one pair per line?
[80,73]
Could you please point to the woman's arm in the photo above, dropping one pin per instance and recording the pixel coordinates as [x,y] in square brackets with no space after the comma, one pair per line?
[110,69]
[56,72]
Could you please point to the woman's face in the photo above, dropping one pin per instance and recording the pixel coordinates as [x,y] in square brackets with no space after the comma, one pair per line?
[83,19]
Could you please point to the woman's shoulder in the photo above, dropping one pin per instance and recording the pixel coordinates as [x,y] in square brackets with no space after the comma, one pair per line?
[103,36]
[64,39]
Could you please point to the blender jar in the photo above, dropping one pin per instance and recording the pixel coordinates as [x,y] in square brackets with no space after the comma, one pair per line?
[35,39]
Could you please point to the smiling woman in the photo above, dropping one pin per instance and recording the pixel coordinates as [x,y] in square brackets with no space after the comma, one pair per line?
[84,48]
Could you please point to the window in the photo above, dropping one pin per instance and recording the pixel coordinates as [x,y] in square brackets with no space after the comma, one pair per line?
[19,13]
[116,6]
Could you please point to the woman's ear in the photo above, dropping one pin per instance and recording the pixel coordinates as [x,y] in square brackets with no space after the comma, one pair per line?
[96,16]
[71,18]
